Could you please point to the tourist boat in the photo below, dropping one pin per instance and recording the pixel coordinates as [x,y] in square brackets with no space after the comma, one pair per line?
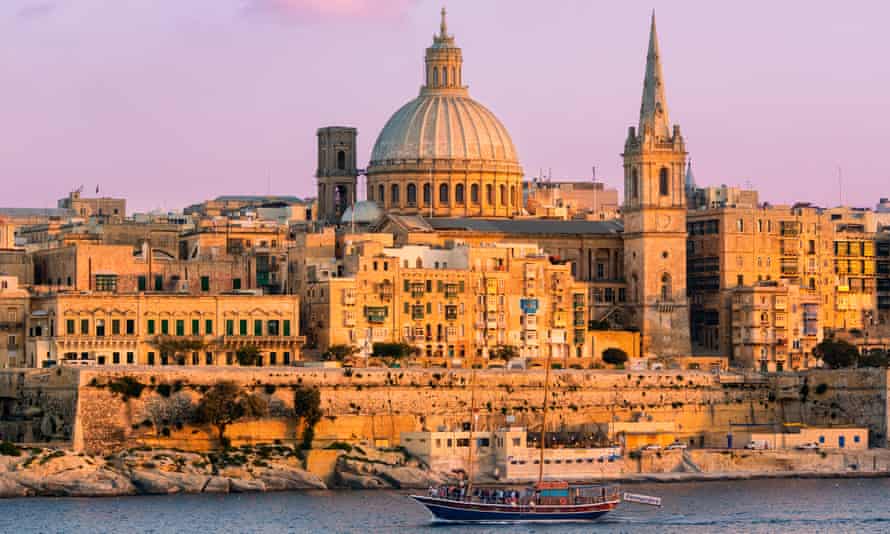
[545,501]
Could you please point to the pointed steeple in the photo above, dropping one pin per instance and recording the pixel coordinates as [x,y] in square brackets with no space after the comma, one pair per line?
[690,178]
[654,110]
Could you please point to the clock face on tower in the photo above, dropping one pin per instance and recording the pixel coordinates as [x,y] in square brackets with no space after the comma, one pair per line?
[664,222]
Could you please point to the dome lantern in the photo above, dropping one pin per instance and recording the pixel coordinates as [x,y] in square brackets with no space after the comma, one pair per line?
[443,62]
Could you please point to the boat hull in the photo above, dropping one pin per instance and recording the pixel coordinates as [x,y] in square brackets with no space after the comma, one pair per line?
[464,512]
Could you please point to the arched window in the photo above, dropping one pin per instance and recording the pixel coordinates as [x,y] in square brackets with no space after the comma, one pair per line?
[341,160]
[474,193]
[666,293]
[634,184]
[459,194]
[489,194]
[418,263]
[435,75]
[443,194]
[394,194]
[812,283]
[453,77]
[444,76]
[427,195]
[513,196]
[664,182]
[411,192]
[503,189]
[381,195]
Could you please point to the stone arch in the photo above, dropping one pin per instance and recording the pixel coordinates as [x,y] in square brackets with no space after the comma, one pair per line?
[411,194]
[459,194]
[394,194]
[474,193]
[427,194]
[664,182]
[443,194]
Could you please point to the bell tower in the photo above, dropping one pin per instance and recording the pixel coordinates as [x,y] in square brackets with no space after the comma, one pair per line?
[655,220]
[336,173]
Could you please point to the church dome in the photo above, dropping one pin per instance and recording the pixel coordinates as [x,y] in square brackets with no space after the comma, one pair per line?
[444,125]
[366,212]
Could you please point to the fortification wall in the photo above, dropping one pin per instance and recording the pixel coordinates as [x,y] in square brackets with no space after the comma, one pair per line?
[38,405]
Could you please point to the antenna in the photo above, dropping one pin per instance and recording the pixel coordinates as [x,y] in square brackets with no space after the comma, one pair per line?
[840,186]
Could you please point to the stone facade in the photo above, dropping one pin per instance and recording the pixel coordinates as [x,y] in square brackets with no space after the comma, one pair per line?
[14,304]
[152,329]
[655,221]
[337,172]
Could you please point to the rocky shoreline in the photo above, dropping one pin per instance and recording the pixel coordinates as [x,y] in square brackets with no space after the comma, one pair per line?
[144,471]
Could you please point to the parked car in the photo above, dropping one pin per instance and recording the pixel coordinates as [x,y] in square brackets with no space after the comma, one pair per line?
[757,445]
[808,447]
[651,447]
[677,446]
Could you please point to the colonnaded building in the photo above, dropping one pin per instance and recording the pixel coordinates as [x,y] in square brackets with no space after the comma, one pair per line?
[444,169]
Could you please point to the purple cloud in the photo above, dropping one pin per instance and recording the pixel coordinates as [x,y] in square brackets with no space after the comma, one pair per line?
[312,10]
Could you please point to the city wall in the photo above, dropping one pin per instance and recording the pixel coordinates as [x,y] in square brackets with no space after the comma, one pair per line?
[376,405]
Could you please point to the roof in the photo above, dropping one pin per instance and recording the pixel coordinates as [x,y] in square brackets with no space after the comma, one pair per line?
[527,226]
[258,198]
[35,212]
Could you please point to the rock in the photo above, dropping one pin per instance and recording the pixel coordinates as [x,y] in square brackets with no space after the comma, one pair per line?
[290,479]
[216,485]
[407,477]
[164,482]
[9,487]
[243,485]
[353,481]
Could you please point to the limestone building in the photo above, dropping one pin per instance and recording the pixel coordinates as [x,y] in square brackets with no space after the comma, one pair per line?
[140,329]
[655,220]
[443,154]
[14,302]
[103,208]
[337,173]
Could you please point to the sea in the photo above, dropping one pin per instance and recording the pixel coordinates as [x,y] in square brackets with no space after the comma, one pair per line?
[757,506]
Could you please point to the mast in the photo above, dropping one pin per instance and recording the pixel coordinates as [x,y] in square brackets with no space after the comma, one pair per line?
[544,416]
[470,457]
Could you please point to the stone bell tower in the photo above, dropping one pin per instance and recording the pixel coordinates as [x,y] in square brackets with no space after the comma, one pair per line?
[336,174]
[655,220]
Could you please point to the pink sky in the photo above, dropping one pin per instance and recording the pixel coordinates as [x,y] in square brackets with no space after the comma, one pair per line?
[171,102]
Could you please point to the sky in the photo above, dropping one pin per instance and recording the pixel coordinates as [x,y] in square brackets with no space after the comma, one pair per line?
[171,102]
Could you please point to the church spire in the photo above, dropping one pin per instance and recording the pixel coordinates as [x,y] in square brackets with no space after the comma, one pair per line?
[654,110]
[443,62]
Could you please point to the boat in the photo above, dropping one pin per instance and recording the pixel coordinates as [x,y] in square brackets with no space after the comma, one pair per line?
[544,501]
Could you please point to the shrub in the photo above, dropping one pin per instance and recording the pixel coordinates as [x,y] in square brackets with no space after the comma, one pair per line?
[614,356]
[821,388]
[269,389]
[127,387]
[164,390]
[340,446]
[836,354]
[247,356]
[9,449]
[307,407]
[339,353]
[225,403]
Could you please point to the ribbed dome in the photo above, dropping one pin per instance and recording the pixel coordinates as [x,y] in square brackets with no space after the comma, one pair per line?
[443,125]
[366,212]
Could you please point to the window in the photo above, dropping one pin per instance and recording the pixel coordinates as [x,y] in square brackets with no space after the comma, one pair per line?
[150,327]
[489,194]
[115,327]
[115,358]
[443,194]
[287,327]
[230,327]
[459,194]
[159,282]
[180,327]
[273,358]
[380,194]
[151,358]
[740,280]
[740,225]
[273,327]
[205,283]
[242,327]
[394,193]
[208,327]
[503,191]
[341,160]
[474,193]
[100,328]
[106,282]
[666,293]
[131,358]
[131,327]
[412,194]
[634,184]
[236,283]
[69,327]
[196,327]
[257,327]
[664,185]
[84,327]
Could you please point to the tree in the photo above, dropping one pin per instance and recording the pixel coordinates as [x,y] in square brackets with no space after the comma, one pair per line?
[503,352]
[614,356]
[836,354]
[307,408]
[248,355]
[225,403]
[178,348]
[339,353]
[393,351]
[874,358]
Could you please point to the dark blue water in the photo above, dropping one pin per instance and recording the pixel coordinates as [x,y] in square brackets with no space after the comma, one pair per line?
[855,506]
